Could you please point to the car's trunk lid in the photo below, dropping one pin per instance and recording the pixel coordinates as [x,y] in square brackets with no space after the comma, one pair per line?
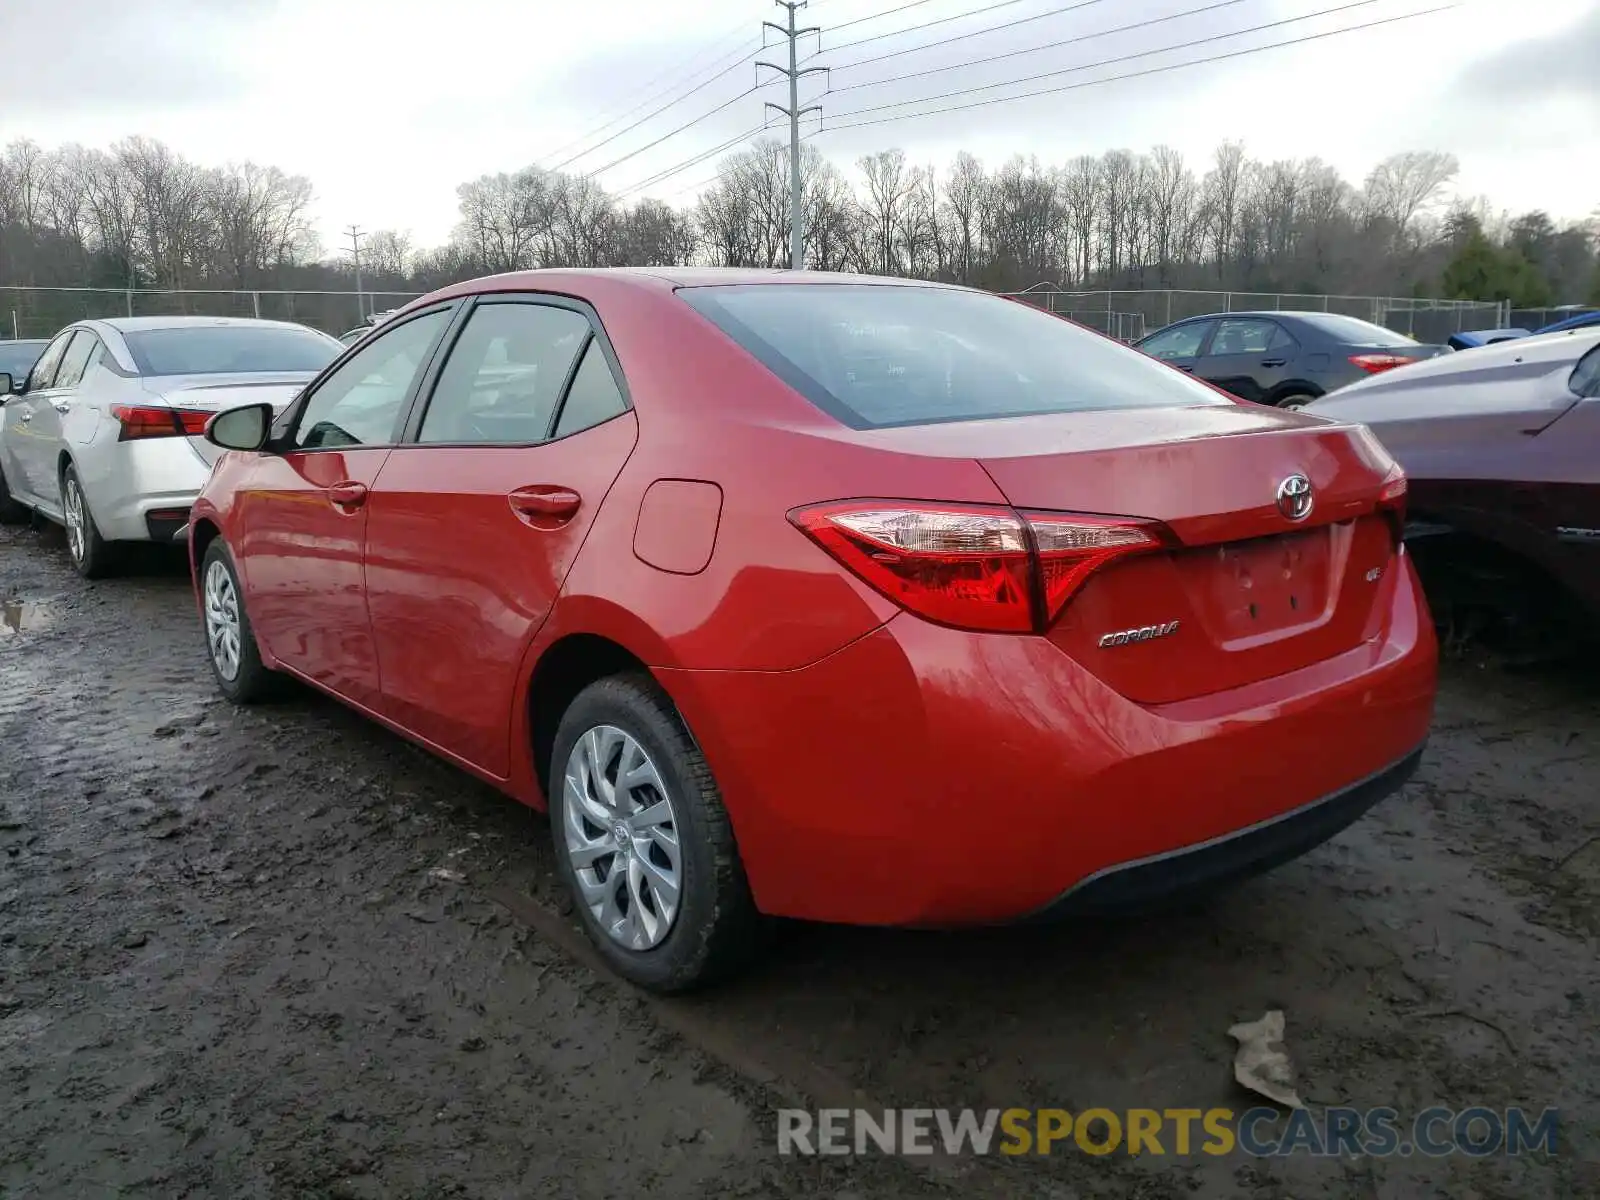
[218,393]
[1253,593]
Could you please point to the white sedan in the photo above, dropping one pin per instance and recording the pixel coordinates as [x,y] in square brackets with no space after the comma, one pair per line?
[103,436]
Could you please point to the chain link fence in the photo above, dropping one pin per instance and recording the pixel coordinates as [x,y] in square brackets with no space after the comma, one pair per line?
[35,312]
[38,312]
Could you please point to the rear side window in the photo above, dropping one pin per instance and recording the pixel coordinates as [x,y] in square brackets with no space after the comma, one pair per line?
[1585,379]
[76,359]
[874,356]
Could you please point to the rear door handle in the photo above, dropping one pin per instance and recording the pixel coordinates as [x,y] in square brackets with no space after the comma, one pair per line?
[1188,369]
[62,406]
[348,494]
[544,503]
[1273,362]
[26,416]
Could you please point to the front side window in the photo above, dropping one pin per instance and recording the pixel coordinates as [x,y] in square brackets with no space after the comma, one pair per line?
[44,371]
[230,349]
[359,403]
[76,360]
[504,376]
[1181,341]
[1242,335]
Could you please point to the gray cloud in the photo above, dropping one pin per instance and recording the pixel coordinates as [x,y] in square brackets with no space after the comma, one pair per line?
[1565,64]
[79,56]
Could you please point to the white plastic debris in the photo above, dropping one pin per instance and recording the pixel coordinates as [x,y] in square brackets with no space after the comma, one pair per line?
[1262,1064]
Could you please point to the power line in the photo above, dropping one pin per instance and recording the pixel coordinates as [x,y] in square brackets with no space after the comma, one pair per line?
[962,16]
[656,113]
[746,48]
[1313,37]
[1109,62]
[671,133]
[694,161]
[878,16]
[974,62]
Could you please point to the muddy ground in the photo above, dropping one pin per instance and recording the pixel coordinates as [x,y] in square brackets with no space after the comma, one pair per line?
[279,952]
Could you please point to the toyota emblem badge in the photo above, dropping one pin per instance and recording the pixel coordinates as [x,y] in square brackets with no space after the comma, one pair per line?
[1294,497]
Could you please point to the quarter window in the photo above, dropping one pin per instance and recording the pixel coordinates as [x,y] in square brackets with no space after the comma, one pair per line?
[76,360]
[1181,341]
[359,403]
[594,396]
[504,376]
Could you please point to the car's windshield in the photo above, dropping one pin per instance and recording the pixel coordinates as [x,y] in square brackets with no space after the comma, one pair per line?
[17,358]
[1353,331]
[229,349]
[876,355]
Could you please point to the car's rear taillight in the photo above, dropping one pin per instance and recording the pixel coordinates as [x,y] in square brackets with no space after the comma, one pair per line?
[1392,504]
[139,421]
[973,566]
[1372,364]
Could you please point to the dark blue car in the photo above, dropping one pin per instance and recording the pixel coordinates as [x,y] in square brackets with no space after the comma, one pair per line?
[1286,359]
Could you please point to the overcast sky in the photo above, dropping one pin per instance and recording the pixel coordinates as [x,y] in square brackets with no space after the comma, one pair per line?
[388,104]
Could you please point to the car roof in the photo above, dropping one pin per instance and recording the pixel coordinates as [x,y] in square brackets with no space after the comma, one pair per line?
[141,324]
[660,279]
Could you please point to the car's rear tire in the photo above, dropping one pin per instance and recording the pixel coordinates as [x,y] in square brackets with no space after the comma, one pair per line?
[230,642]
[1295,400]
[91,555]
[653,867]
[12,512]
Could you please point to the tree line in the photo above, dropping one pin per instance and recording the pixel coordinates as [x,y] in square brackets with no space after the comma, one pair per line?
[138,215]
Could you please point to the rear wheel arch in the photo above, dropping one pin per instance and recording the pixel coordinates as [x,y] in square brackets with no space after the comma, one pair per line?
[567,666]
[1297,387]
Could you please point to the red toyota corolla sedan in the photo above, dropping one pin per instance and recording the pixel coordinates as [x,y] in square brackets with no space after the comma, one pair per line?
[827,597]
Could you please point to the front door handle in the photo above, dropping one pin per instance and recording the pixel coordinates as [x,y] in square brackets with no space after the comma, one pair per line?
[1188,369]
[26,417]
[348,494]
[544,504]
[1273,362]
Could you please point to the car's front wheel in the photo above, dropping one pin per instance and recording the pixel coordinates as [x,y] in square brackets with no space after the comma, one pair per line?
[644,842]
[230,642]
[92,556]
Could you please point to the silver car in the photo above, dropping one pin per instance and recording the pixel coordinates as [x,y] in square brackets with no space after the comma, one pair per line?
[103,436]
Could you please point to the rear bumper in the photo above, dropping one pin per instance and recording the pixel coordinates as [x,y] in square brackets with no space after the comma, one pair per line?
[141,490]
[1192,870]
[929,776]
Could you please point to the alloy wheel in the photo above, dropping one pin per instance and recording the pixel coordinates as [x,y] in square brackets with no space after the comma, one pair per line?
[621,835]
[222,620]
[73,510]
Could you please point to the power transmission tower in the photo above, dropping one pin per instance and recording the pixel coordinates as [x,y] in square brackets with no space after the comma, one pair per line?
[794,112]
[355,234]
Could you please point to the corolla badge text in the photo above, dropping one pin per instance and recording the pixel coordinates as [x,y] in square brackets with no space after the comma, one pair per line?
[1145,633]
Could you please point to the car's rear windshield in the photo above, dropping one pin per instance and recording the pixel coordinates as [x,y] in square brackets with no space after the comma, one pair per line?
[1353,331]
[229,349]
[17,358]
[874,355]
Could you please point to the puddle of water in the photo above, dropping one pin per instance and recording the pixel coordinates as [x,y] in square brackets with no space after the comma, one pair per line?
[19,618]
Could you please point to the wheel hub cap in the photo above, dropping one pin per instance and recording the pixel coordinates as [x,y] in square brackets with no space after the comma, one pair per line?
[621,834]
[222,620]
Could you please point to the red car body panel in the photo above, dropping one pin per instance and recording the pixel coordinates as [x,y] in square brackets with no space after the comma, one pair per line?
[875,765]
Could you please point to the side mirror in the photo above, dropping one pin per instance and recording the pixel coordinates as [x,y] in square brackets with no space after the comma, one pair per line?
[6,386]
[245,428]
